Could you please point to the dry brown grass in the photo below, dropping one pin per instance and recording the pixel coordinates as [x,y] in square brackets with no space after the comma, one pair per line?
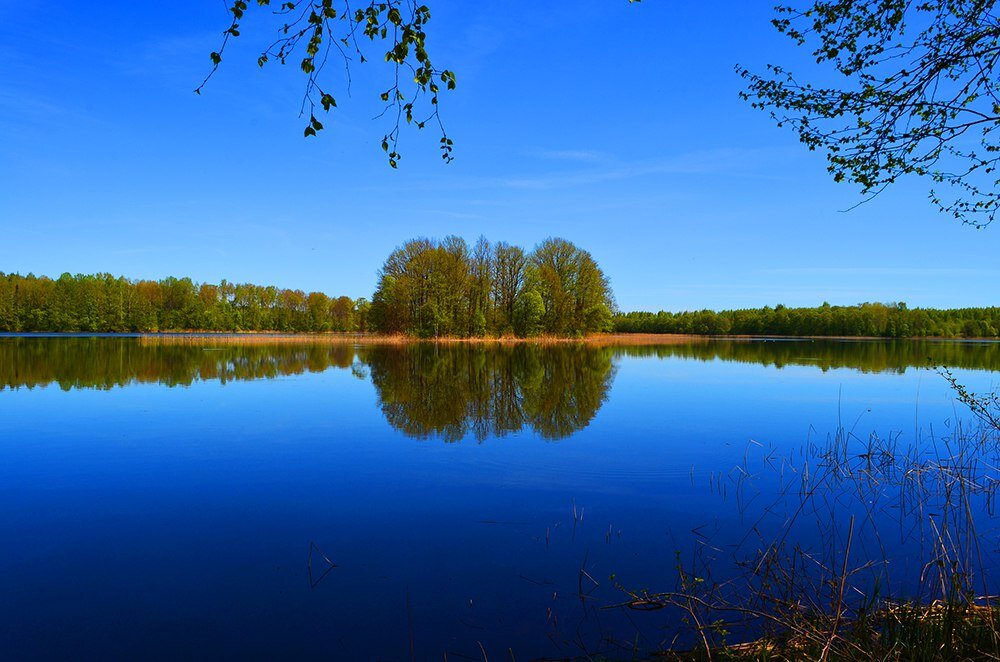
[598,340]
[270,338]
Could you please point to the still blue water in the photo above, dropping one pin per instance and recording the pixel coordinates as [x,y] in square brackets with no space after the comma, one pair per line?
[177,502]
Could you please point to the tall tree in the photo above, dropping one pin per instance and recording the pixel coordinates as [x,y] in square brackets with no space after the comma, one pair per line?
[575,292]
[509,263]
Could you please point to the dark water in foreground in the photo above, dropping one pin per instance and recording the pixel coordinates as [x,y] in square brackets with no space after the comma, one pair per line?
[164,501]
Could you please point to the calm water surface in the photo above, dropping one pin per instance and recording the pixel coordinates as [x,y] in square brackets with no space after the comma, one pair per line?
[164,500]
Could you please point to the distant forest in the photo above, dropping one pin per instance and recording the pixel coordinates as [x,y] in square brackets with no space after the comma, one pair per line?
[892,320]
[430,289]
[104,303]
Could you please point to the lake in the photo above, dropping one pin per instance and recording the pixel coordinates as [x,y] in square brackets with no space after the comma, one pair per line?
[193,498]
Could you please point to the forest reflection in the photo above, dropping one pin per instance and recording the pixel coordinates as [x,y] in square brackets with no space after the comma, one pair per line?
[871,356]
[424,390]
[447,391]
[105,363]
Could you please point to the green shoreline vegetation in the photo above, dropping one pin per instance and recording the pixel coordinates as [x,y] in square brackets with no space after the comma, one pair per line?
[444,289]
[103,303]
[426,289]
[873,320]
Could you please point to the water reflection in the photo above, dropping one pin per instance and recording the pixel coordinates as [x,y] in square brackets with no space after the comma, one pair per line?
[870,356]
[424,390]
[445,391]
[450,391]
[105,363]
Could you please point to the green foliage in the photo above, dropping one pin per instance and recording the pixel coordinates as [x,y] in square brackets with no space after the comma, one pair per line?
[429,289]
[573,288]
[915,92]
[310,32]
[479,324]
[103,303]
[894,320]
[529,309]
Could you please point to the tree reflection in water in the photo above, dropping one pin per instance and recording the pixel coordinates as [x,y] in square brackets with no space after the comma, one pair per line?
[424,390]
[449,391]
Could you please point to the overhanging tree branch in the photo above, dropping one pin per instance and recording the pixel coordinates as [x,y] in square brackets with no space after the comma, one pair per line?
[311,29]
[917,95]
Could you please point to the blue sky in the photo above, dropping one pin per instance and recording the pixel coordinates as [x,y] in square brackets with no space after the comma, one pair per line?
[616,126]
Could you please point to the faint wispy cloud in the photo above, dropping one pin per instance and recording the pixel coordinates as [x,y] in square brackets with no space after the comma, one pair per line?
[568,155]
[453,214]
[750,163]
[692,163]
[880,271]
[148,250]
[20,108]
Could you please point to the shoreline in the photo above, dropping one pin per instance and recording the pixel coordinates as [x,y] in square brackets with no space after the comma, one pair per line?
[380,339]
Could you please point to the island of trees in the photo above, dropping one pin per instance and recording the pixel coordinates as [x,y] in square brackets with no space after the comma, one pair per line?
[433,288]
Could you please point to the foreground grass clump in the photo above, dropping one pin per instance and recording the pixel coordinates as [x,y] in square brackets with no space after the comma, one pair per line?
[860,549]
[902,632]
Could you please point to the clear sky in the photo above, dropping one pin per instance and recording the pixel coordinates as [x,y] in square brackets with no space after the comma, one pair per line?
[614,125]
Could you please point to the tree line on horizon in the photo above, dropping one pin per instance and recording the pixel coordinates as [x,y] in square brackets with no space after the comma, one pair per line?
[430,289]
[104,303]
[883,320]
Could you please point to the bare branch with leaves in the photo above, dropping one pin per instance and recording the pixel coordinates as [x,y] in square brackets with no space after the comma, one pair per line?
[918,94]
[312,31]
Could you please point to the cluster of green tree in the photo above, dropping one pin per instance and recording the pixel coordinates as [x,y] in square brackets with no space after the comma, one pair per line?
[893,356]
[893,320]
[103,303]
[431,288]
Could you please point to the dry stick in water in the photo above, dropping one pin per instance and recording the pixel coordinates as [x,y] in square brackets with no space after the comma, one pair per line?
[840,595]
[313,583]
[409,624]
